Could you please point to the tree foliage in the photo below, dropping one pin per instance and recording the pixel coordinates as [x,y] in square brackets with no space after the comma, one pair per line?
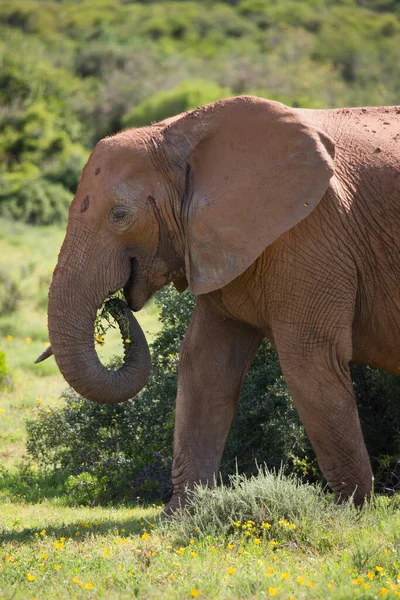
[72,72]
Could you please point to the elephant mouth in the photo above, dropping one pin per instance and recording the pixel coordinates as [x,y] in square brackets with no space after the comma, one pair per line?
[131,297]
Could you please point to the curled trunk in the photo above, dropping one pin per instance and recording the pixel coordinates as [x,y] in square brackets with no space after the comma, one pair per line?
[72,342]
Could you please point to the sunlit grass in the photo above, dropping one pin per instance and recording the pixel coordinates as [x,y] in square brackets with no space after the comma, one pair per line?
[49,550]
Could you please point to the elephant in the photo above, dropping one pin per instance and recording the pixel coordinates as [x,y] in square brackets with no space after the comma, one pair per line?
[285,224]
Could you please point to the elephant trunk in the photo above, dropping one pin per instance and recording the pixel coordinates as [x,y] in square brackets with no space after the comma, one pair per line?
[71,331]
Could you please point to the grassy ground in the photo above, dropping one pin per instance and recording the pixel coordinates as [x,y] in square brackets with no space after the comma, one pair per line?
[269,539]
[50,550]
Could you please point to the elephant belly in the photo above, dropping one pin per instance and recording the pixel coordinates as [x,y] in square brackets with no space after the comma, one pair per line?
[376,334]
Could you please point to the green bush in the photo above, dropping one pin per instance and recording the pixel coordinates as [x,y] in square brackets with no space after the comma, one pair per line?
[85,488]
[186,96]
[269,505]
[36,201]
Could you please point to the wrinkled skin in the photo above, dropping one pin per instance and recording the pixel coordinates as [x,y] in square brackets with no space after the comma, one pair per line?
[286,224]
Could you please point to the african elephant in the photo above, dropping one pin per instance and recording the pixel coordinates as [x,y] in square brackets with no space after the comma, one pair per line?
[285,223]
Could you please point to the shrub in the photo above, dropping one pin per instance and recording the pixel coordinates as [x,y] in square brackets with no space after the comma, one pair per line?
[85,488]
[36,201]
[274,506]
[186,96]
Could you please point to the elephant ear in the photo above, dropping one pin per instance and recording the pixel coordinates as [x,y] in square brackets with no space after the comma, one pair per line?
[255,168]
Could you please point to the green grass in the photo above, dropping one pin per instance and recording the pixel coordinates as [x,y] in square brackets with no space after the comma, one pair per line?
[29,255]
[48,549]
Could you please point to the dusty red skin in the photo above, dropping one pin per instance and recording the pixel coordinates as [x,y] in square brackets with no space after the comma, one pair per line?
[286,224]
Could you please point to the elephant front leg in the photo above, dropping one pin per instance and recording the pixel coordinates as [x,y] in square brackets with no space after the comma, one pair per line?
[215,356]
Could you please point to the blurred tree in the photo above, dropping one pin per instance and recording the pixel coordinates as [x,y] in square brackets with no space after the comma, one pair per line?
[186,96]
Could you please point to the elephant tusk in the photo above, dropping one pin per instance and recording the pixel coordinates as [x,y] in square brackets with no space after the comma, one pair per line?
[45,354]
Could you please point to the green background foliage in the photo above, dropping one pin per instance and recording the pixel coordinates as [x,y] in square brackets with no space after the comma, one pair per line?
[72,72]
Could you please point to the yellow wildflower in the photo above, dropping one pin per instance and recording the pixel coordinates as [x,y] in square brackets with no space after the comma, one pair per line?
[58,545]
[272,591]
[285,575]
[43,532]
[357,581]
[89,586]
[1,411]
[145,536]
[180,551]
[231,571]
[230,546]
[57,567]
[370,575]
[9,338]
[28,340]
[300,580]
[172,577]
[383,591]
[194,593]
[379,569]
[191,542]
[30,577]
[75,579]
[310,583]
[107,553]
[62,539]
[366,586]
[257,541]
[213,549]
[128,341]
[194,554]
[265,525]
[43,556]
[330,586]
[273,543]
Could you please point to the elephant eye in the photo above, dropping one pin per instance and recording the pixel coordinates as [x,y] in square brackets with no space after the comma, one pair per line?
[119,215]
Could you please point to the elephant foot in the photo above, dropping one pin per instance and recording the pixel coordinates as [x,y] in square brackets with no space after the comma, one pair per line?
[175,504]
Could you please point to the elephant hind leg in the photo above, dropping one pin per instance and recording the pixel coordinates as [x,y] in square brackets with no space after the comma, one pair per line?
[319,382]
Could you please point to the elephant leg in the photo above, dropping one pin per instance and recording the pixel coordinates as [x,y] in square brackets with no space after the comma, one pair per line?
[319,382]
[215,356]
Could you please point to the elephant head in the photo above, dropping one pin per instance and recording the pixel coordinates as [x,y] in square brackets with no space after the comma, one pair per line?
[195,199]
